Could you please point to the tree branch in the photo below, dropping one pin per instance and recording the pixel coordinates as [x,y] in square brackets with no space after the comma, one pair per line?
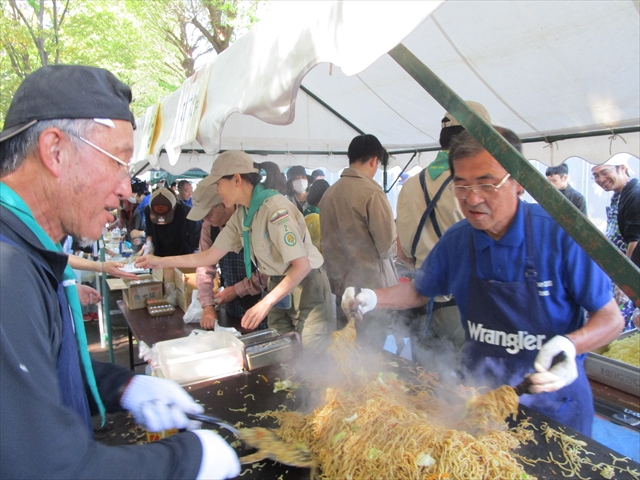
[26,23]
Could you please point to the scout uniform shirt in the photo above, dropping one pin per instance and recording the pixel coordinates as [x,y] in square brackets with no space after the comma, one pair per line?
[278,236]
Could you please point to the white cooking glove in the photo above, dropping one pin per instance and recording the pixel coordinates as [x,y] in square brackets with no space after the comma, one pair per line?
[218,458]
[366,300]
[159,404]
[550,379]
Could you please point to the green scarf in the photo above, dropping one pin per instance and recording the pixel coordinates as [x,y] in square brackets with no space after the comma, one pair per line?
[10,200]
[439,165]
[259,195]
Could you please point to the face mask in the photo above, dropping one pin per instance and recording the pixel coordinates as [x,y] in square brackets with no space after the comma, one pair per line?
[132,199]
[300,185]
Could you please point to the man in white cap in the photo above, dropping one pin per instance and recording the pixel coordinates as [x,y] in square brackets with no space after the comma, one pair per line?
[623,214]
[171,232]
[426,209]
[240,293]
[64,165]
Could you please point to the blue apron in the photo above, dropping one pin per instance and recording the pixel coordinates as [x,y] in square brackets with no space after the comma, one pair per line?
[502,342]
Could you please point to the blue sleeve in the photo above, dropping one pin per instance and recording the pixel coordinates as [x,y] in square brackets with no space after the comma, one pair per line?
[446,269]
[584,280]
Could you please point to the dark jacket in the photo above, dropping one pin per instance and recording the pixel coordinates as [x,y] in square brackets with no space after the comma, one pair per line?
[40,436]
[576,198]
[180,237]
[629,211]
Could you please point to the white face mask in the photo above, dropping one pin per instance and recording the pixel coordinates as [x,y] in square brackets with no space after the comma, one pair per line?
[300,185]
[132,199]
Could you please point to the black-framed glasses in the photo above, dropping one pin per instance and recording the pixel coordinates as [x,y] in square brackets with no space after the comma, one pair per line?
[602,173]
[127,167]
[483,190]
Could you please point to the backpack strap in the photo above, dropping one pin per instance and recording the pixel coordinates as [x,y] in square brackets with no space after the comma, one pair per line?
[429,212]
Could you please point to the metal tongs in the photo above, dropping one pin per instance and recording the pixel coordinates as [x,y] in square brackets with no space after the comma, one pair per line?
[266,441]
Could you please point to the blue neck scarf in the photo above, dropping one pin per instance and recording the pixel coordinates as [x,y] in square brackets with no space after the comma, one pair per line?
[10,200]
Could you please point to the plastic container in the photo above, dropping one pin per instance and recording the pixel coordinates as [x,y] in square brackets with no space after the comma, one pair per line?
[200,357]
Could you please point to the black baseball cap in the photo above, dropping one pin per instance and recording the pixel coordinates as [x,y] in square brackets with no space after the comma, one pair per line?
[67,92]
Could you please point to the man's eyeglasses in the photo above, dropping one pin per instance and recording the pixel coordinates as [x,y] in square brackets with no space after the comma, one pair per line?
[126,167]
[602,174]
[483,190]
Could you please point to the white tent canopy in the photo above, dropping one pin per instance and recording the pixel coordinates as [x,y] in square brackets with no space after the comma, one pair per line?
[312,75]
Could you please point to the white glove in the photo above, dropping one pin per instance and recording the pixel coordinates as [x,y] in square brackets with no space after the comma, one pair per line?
[218,458]
[159,404]
[550,379]
[366,300]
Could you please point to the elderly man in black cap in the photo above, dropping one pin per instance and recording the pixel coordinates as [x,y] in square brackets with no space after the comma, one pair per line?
[64,165]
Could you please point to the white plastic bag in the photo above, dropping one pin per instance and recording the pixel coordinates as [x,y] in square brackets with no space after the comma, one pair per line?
[194,312]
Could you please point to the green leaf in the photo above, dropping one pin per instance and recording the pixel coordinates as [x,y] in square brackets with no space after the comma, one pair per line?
[35,5]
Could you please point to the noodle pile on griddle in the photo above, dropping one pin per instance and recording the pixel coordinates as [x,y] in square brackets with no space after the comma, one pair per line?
[374,425]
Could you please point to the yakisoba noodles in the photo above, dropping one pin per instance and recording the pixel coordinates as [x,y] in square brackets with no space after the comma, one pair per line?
[488,411]
[576,456]
[626,350]
[378,430]
[377,426]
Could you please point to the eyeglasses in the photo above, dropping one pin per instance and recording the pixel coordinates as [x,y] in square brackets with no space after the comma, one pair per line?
[125,166]
[483,190]
[602,174]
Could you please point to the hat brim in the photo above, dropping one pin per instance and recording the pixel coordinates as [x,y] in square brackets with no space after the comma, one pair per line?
[198,213]
[209,180]
[7,133]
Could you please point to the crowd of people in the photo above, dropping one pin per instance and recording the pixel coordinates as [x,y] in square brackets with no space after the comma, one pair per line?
[496,282]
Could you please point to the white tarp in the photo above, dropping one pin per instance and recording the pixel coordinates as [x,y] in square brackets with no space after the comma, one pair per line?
[540,67]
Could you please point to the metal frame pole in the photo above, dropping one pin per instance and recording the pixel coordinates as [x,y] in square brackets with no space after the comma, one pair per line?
[621,270]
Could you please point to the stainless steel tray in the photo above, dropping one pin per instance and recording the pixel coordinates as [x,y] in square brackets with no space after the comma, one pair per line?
[612,372]
[267,347]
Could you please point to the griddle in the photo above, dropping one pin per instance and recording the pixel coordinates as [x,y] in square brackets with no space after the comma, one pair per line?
[235,395]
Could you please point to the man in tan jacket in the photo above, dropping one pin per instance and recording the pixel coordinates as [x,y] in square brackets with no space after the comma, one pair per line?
[359,234]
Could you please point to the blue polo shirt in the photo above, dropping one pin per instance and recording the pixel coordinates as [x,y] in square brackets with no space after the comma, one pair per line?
[568,280]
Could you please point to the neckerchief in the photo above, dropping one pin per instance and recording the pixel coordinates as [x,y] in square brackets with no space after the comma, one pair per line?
[10,200]
[311,209]
[439,165]
[259,195]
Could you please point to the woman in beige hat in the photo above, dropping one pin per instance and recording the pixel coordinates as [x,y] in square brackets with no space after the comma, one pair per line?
[275,237]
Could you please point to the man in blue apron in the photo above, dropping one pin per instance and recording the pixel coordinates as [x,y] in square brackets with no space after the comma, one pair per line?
[64,164]
[522,286]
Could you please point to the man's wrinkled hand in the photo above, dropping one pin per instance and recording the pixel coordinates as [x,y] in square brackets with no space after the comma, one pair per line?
[88,295]
[225,296]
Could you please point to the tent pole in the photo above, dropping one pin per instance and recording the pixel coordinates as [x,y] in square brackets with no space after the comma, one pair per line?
[331,109]
[387,190]
[624,273]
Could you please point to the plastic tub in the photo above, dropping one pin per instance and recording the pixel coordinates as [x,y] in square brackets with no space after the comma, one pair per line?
[200,357]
